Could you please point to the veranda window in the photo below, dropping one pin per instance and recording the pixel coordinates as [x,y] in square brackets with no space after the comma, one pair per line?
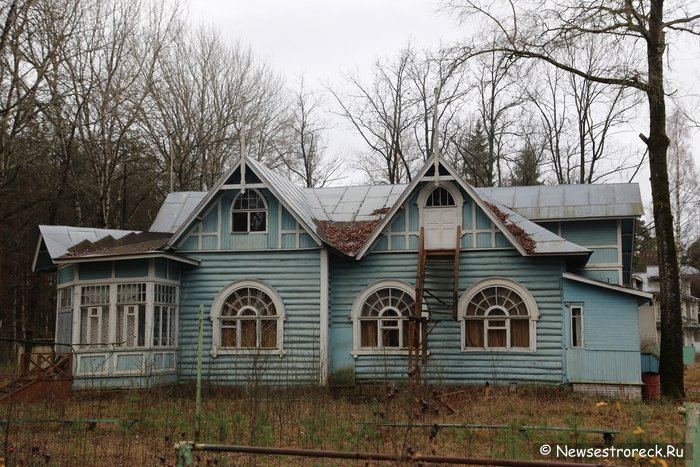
[164,313]
[94,316]
[131,315]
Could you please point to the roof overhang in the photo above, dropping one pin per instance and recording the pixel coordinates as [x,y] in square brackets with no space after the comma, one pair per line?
[145,255]
[251,164]
[642,296]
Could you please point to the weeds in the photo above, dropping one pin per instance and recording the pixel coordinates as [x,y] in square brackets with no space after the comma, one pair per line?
[384,418]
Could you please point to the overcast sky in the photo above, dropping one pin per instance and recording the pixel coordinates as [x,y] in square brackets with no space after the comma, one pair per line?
[323,39]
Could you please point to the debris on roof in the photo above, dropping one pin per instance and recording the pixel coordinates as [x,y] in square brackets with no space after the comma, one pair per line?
[348,237]
[379,211]
[132,243]
[520,235]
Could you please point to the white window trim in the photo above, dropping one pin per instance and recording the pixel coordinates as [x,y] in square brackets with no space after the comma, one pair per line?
[571,326]
[357,306]
[215,314]
[423,198]
[267,213]
[516,287]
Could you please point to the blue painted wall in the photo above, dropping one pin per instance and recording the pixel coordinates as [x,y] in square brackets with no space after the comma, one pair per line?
[213,232]
[601,236]
[295,276]
[611,335]
[448,363]
[403,233]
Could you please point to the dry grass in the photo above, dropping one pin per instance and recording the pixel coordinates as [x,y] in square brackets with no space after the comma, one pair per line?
[317,419]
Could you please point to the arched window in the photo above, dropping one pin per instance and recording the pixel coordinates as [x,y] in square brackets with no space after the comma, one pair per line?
[247,315]
[380,316]
[249,212]
[440,197]
[499,314]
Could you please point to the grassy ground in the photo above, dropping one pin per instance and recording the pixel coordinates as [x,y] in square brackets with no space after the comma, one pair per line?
[319,419]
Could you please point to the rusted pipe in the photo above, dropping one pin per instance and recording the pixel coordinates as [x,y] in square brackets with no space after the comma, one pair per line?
[374,456]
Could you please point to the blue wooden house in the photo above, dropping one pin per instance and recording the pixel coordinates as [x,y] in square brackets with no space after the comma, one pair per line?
[434,279]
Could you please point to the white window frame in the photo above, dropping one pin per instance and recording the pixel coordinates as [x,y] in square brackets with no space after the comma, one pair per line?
[516,287]
[215,317]
[572,343]
[248,212]
[356,316]
[129,309]
[166,309]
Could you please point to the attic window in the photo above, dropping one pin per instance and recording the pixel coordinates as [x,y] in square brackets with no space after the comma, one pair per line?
[440,197]
[249,212]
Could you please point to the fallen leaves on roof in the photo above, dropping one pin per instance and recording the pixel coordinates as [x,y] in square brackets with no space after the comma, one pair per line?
[520,235]
[348,237]
[132,243]
[381,211]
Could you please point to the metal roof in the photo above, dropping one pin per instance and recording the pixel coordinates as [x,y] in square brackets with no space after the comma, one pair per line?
[59,238]
[545,241]
[175,210]
[352,203]
[518,207]
[642,296]
[288,194]
[551,202]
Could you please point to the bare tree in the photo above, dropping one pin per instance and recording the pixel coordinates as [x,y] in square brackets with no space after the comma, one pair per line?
[304,151]
[203,94]
[500,99]
[634,35]
[684,182]
[384,115]
[436,81]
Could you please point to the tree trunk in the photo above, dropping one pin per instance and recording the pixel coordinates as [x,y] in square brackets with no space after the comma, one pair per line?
[671,365]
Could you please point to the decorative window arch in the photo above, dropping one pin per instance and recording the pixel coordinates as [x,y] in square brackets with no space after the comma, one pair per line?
[249,212]
[446,194]
[440,197]
[247,316]
[380,317]
[498,314]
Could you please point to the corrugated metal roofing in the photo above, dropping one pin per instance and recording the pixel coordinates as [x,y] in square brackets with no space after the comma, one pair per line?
[175,210]
[59,238]
[549,202]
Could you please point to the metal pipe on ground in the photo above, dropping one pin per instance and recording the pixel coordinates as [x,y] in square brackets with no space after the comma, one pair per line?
[185,447]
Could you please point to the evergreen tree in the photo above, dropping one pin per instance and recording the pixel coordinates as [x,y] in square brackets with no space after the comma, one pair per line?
[527,167]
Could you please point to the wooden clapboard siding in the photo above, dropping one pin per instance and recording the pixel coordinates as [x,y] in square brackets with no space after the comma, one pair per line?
[603,366]
[448,363]
[213,232]
[610,350]
[295,276]
[603,237]
[477,229]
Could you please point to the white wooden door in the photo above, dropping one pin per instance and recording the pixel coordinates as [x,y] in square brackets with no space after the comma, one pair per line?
[440,227]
